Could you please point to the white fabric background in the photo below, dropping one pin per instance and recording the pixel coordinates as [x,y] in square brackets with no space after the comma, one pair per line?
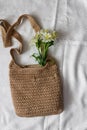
[68,17]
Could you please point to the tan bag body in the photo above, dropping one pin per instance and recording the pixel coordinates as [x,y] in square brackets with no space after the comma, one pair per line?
[36,90]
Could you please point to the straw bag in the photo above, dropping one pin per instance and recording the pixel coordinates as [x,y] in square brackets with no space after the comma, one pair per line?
[36,90]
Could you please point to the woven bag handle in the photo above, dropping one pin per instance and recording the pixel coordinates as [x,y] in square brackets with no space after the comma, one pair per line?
[10,31]
[4,26]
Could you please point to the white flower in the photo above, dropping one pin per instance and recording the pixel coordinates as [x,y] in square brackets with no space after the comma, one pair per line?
[44,36]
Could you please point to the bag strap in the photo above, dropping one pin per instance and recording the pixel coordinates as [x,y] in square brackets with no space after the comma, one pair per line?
[4,26]
[9,31]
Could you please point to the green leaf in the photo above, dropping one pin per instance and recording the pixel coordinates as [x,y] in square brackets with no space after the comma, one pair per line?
[50,43]
[42,47]
[38,43]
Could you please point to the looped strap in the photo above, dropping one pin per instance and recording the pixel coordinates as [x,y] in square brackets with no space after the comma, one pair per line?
[4,26]
[8,31]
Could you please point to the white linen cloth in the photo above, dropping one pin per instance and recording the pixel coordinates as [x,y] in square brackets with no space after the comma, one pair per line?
[68,17]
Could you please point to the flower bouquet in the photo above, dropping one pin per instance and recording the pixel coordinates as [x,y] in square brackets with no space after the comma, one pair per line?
[43,40]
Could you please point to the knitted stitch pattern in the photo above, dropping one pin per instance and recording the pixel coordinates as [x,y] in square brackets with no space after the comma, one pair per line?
[36,90]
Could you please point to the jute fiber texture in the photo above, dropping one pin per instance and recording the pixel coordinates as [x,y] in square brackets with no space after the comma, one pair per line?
[36,90]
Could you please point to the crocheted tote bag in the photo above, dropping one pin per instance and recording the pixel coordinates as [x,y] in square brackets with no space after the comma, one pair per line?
[36,90]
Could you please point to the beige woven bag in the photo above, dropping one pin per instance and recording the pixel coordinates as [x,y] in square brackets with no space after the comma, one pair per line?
[36,90]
